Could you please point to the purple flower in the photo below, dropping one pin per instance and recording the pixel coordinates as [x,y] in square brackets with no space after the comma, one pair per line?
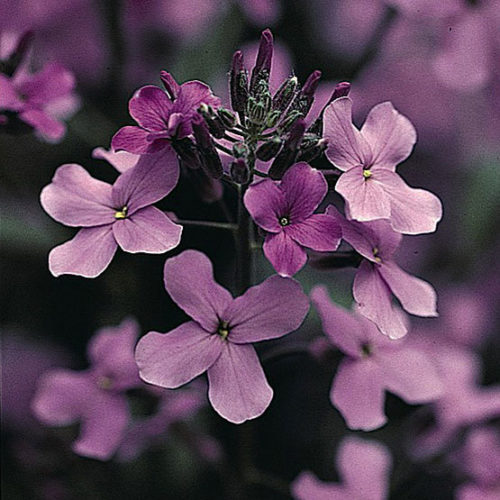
[379,277]
[111,216]
[373,364]
[285,210]
[173,406]
[162,117]
[218,339]
[480,459]
[463,402]
[121,160]
[363,467]
[40,99]
[368,157]
[96,396]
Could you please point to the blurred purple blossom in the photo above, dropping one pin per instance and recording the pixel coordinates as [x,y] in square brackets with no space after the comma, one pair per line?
[373,364]
[285,209]
[111,216]
[218,339]
[95,397]
[364,468]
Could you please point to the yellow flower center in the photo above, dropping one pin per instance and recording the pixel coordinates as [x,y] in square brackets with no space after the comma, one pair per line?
[223,330]
[367,174]
[104,383]
[121,214]
[284,221]
[375,254]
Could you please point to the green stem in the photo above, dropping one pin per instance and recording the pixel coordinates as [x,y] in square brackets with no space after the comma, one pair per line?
[213,224]
[243,250]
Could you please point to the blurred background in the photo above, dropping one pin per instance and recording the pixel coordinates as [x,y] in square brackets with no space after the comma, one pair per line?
[436,61]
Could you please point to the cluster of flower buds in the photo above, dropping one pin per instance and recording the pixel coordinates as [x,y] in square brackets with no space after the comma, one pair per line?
[261,127]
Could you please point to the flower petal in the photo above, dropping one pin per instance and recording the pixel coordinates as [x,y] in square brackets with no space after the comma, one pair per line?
[74,198]
[269,310]
[319,232]
[410,374]
[103,426]
[366,198]
[189,280]
[303,188]
[154,176]
[344,330]
[266,203]
[111,351]
[238,389]
[150,107]
[364,467]
[413,211]
[8,95]
[191,95]
[132,139]
[308,487]
[61,396]
[390,135]
[357,392]
[416,296]
[375,302]
[88,254]
[174,358]
[346,146]
[43,123]
[149,230]
[121,160]
[286,256]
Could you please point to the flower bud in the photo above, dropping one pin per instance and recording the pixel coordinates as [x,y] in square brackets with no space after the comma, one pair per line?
[290,118]
[240,173]
[188,152]
[227,117]
[210,160]
[262,66]
[240,150]
[171,86]
[269,149]
[256,111]
[213,121]
[313,151]
[289,153]
[285,94]
[238,83]
[305,98]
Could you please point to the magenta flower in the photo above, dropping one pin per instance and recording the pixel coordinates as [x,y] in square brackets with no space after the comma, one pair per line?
[162,117]
[95,397]
[42,99]
[378,277]
[285,209]
[120,160]
[218,339]
[368,157]
[364,468]
[110,216]
[373,364]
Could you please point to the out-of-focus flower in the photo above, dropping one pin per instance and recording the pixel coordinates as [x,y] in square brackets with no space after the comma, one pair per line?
[463,402]
[42,99]
[372,365]
[219,338]
[285,210]
[173,406]
[111,216]
[479,458]
[368,158]
[160,117]
[379,277]
[364,468]
[95,397]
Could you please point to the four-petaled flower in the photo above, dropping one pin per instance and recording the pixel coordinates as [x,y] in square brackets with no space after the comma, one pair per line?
[285,209]
[218,339]
[160,117]
[110,216]
[373,364]
[368,157]
[95,397]
[379,277]
[41,99]
[364,468]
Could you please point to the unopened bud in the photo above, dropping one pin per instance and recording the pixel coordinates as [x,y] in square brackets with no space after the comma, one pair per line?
[238,83]
[240,150]
[213,121]
[227,117]
[341,90]
[240,173]
[290,118]
[210,160]
[290,150]
[305,98]
[273,118]
[285,94]
[313,151]
[262,66]
[188,152]
[256,111]
[269,149]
